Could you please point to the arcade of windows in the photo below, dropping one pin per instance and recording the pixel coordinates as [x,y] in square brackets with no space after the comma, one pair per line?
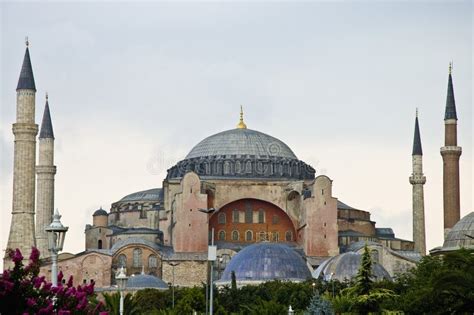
[248,217]
[259,237]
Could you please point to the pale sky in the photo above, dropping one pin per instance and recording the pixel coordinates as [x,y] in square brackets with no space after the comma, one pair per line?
[134,86]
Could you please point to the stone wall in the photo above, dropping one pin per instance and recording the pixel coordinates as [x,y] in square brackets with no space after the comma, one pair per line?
[186,274]
[84,268]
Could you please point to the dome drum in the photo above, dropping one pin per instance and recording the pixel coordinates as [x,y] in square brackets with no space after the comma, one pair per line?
[243,167]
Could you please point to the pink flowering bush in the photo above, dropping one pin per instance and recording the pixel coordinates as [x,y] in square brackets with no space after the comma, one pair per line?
[22,291]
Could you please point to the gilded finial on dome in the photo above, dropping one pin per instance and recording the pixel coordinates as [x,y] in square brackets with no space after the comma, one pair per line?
[450,67]
[241,124]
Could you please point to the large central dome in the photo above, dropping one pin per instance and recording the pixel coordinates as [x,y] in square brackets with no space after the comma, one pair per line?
[241,142]
[242,153]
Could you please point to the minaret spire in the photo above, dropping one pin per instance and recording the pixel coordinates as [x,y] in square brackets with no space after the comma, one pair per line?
[26,80]
[417,150]
[45,171]
[46,124]
[417,179]
[450,112]
[451,153]
[241,124]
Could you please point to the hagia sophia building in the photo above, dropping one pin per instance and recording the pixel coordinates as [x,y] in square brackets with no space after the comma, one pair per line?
[269,213]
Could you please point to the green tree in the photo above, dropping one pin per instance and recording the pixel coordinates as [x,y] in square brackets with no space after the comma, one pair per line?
[112,303]
[263,307]
[439,285]
[363,296]
[233,281]
[319,306]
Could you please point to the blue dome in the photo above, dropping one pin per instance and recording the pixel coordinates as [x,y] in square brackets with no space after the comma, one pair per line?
[265,262]
[146,281]
[345,267]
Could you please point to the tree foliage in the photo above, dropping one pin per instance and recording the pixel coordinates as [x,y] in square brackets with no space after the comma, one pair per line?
[23,291]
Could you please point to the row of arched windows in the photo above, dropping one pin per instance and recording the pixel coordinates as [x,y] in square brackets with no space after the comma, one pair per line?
[222,218]
[261,236]
[137,259]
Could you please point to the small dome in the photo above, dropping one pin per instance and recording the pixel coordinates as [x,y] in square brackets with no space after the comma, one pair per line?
[461,235]
[241,142]
[345,266]
[265,262]
[146,281]
[100,212]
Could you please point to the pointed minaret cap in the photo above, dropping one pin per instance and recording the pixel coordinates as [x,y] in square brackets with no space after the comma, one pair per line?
[241,124]
[417,139]
[46,131]
[450,112]
[27,80]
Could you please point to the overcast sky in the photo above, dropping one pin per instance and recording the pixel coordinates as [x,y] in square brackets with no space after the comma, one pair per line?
[133,87]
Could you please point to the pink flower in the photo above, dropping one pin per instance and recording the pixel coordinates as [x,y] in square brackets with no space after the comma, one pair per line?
[37,281]
[34,256]
[17,256]
[30,302]
[60,277]
[69,282]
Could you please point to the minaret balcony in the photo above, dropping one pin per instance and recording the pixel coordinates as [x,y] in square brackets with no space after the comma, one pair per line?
[451,150]
[417,179]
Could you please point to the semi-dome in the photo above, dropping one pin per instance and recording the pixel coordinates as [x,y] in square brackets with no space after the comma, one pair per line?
[461,235]
[142,281]
[241,142]
[154,194]
[345,266]
[265,262]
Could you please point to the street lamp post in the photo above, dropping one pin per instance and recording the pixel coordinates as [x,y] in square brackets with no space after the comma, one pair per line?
[332,280]
[172,264]
[122,283]
[211,257]
[56,233]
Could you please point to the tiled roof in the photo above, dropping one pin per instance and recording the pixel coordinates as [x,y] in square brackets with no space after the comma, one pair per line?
[241,142]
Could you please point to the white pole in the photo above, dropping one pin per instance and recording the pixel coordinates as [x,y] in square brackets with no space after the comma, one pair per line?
[121,302]
[211,293]
[54,268]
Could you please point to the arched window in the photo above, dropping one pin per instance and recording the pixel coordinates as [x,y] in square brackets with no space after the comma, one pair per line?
[275,236]
[226,167]
[235,235]
[235,216]
[248,215]
[261,216]
[99,244]
[289,236]
[248,167]
[122,260]
[137,257]
[262,236]
[221,235]
[152,261]
[221,218]
[249,236]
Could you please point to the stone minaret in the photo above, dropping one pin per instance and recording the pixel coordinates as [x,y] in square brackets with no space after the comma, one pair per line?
[45,171]
[451,153]
[22,228]
[417,179]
